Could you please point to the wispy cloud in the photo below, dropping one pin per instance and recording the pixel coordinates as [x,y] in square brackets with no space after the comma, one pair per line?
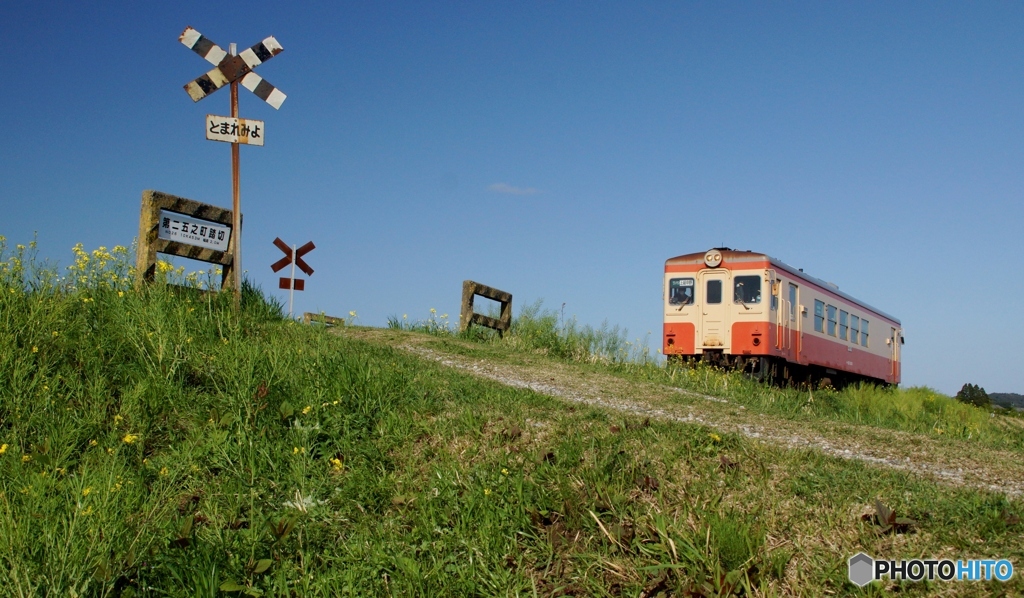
[510,190]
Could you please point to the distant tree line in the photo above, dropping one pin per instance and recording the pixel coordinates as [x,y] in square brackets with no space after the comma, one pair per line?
[1010,400]
[972,394]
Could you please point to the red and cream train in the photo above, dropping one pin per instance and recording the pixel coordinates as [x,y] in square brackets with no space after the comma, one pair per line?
[749,310]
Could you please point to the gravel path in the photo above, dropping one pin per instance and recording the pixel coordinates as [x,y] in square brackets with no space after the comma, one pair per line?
[953,462]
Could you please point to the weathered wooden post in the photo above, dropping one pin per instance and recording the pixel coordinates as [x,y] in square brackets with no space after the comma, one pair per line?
[467,318]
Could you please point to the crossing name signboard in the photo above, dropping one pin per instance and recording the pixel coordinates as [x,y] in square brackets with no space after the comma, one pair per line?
[178,226]
[194,231]
[235,130]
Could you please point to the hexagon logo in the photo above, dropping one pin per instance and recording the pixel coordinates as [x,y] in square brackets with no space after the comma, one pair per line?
[861,569]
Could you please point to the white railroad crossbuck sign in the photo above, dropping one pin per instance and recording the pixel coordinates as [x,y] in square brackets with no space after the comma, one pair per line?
[232,68]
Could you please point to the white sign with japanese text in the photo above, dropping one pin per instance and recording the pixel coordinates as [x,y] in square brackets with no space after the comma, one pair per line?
[193,231]
[234,130]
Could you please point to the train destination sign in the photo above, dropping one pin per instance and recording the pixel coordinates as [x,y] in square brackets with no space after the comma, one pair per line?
[234,130]
[193,231]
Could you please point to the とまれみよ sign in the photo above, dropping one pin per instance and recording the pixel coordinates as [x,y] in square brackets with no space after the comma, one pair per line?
[178,226]
[234,130]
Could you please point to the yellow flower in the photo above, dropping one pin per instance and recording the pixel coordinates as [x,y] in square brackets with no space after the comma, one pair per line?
[336,464]
[26,458]
[487,491]
[87,511]
[129,438]
[3,448]
[93,443]
[117,419]
[55,334]
[120,293]
[87,491]
[163,471]
[296,450]
[35,349]
[504,471]
[306,410]
[433,311]
[115,488]
[715,437]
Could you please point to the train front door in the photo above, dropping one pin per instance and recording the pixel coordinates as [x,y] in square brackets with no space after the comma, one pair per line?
[714,319]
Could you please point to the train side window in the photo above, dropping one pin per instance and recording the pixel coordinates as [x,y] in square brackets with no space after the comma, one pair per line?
[843,328]
[747,289]
[854,329]
[792,302]
[864,332]
[680,291]
[831,320]
[713,293]
[819,316]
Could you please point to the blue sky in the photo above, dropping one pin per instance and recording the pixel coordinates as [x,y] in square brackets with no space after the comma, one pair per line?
[559,151]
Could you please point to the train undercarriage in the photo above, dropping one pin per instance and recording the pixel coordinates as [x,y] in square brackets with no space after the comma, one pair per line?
[776,371]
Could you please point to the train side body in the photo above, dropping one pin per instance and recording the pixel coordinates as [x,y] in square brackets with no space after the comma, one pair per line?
[742,305]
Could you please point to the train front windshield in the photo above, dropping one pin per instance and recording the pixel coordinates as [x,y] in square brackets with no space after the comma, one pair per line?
[680,291]
[747,289]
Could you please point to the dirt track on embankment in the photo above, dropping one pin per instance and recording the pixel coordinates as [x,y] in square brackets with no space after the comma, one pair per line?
[959,463]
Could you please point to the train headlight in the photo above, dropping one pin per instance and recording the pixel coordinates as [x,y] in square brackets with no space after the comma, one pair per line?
[713,258]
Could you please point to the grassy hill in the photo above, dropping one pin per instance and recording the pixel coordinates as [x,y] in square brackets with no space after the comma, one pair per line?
[156,442]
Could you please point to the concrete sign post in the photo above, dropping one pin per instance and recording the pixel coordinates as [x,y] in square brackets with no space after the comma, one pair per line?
[471,289]
[178,226]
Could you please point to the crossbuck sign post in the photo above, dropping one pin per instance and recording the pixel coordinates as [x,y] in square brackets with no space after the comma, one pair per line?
[292,256]
[232,69]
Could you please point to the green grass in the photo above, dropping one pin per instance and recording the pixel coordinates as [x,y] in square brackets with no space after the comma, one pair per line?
[156,442]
